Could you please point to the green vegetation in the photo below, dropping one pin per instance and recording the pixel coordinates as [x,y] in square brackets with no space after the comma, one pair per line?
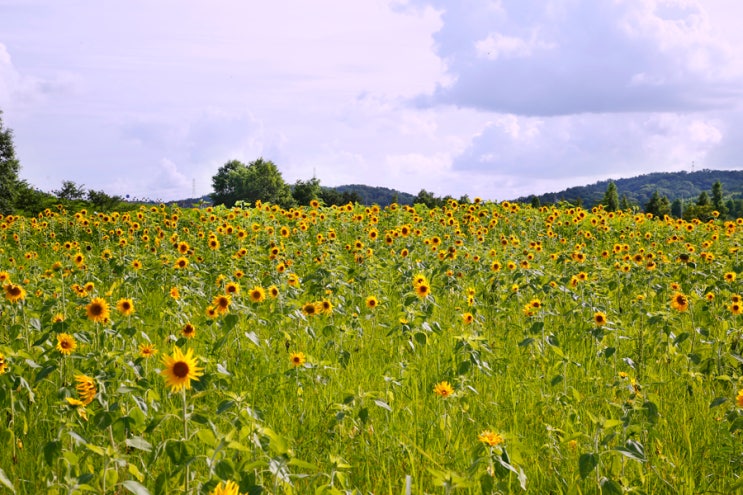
[473,348]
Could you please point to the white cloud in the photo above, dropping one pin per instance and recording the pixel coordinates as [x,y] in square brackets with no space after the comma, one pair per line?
[498,45]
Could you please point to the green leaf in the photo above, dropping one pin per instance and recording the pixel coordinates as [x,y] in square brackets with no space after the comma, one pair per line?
[51,451]
[6,481]
[45,371]
[139,443]
[102,420]
[610,487]
[527,341]
[586,464]
[633,450]
[718,401]
[136,487]
[225,469]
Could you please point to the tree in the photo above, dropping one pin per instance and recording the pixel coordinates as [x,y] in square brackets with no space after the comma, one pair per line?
[718,202]
[658,205]
[70,191]
[260,180]
[677,208]
[611,197]
[305,191]
[102,201]
[428,199]
[9,168]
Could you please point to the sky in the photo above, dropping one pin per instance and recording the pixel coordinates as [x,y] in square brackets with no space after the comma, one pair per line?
[495,99]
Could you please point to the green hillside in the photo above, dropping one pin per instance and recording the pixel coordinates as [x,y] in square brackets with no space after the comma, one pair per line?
[685,186]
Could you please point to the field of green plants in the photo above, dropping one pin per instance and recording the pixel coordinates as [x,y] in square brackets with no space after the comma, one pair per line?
[474,348]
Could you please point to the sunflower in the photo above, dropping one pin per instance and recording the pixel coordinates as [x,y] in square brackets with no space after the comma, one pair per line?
[297,359]
[3,364]
[326,307]
[225,488]
[372,302]
[222,303]
[147,350]
[490,438]
[422,290]
[97,310]
[739,399]
[599,318]
[66,343]
[736,308]
[14,293]
[293,280]
[232,288]
[211,312]
[467,318]
[309,309]
[730,277]
[181,262]
[679,301]
[443,389]
[85,388]
[257,294]
[180,369]
[136,265]
[79,407]
[175,293]
[273,291]
[188,331]
[125,307]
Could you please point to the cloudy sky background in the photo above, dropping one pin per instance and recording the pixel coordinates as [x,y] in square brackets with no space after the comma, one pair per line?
[497,99]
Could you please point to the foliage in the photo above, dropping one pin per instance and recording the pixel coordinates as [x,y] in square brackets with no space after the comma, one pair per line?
[469,348]
[9,168]
[70,191]
[685,186]
[611,197]
[382,196]
[260,180]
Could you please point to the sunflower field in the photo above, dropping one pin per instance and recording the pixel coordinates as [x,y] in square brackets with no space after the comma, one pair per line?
[474,348]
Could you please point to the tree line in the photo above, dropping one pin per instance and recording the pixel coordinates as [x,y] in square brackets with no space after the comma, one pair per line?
[237,183]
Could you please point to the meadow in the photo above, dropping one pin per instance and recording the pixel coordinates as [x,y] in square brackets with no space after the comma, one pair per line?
[475,348]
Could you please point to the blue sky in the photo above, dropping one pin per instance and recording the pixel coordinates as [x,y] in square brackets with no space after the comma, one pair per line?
[491,98]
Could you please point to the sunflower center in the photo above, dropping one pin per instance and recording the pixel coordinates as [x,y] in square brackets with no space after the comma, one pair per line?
[96,310]
[14,291]
[181,369]
[64,344]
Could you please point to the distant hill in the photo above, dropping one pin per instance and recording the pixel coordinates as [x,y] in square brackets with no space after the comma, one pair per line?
[382,196]
[639,189]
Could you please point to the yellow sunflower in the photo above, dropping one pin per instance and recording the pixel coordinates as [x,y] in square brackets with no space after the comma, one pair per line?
[188,331]
[599,318]
[490,438]
[372,302]
[443,389]
[14,293]
[180,369]
[309,309]
[225,488]
[297,359]
[679,301]
[125,307]
[97,310]
[66,343]
[85,388]
[3,365]
[222,303]
[257,294]
[147,350]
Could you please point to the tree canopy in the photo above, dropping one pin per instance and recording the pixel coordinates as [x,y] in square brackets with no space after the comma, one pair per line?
[9,167]
[260,180]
